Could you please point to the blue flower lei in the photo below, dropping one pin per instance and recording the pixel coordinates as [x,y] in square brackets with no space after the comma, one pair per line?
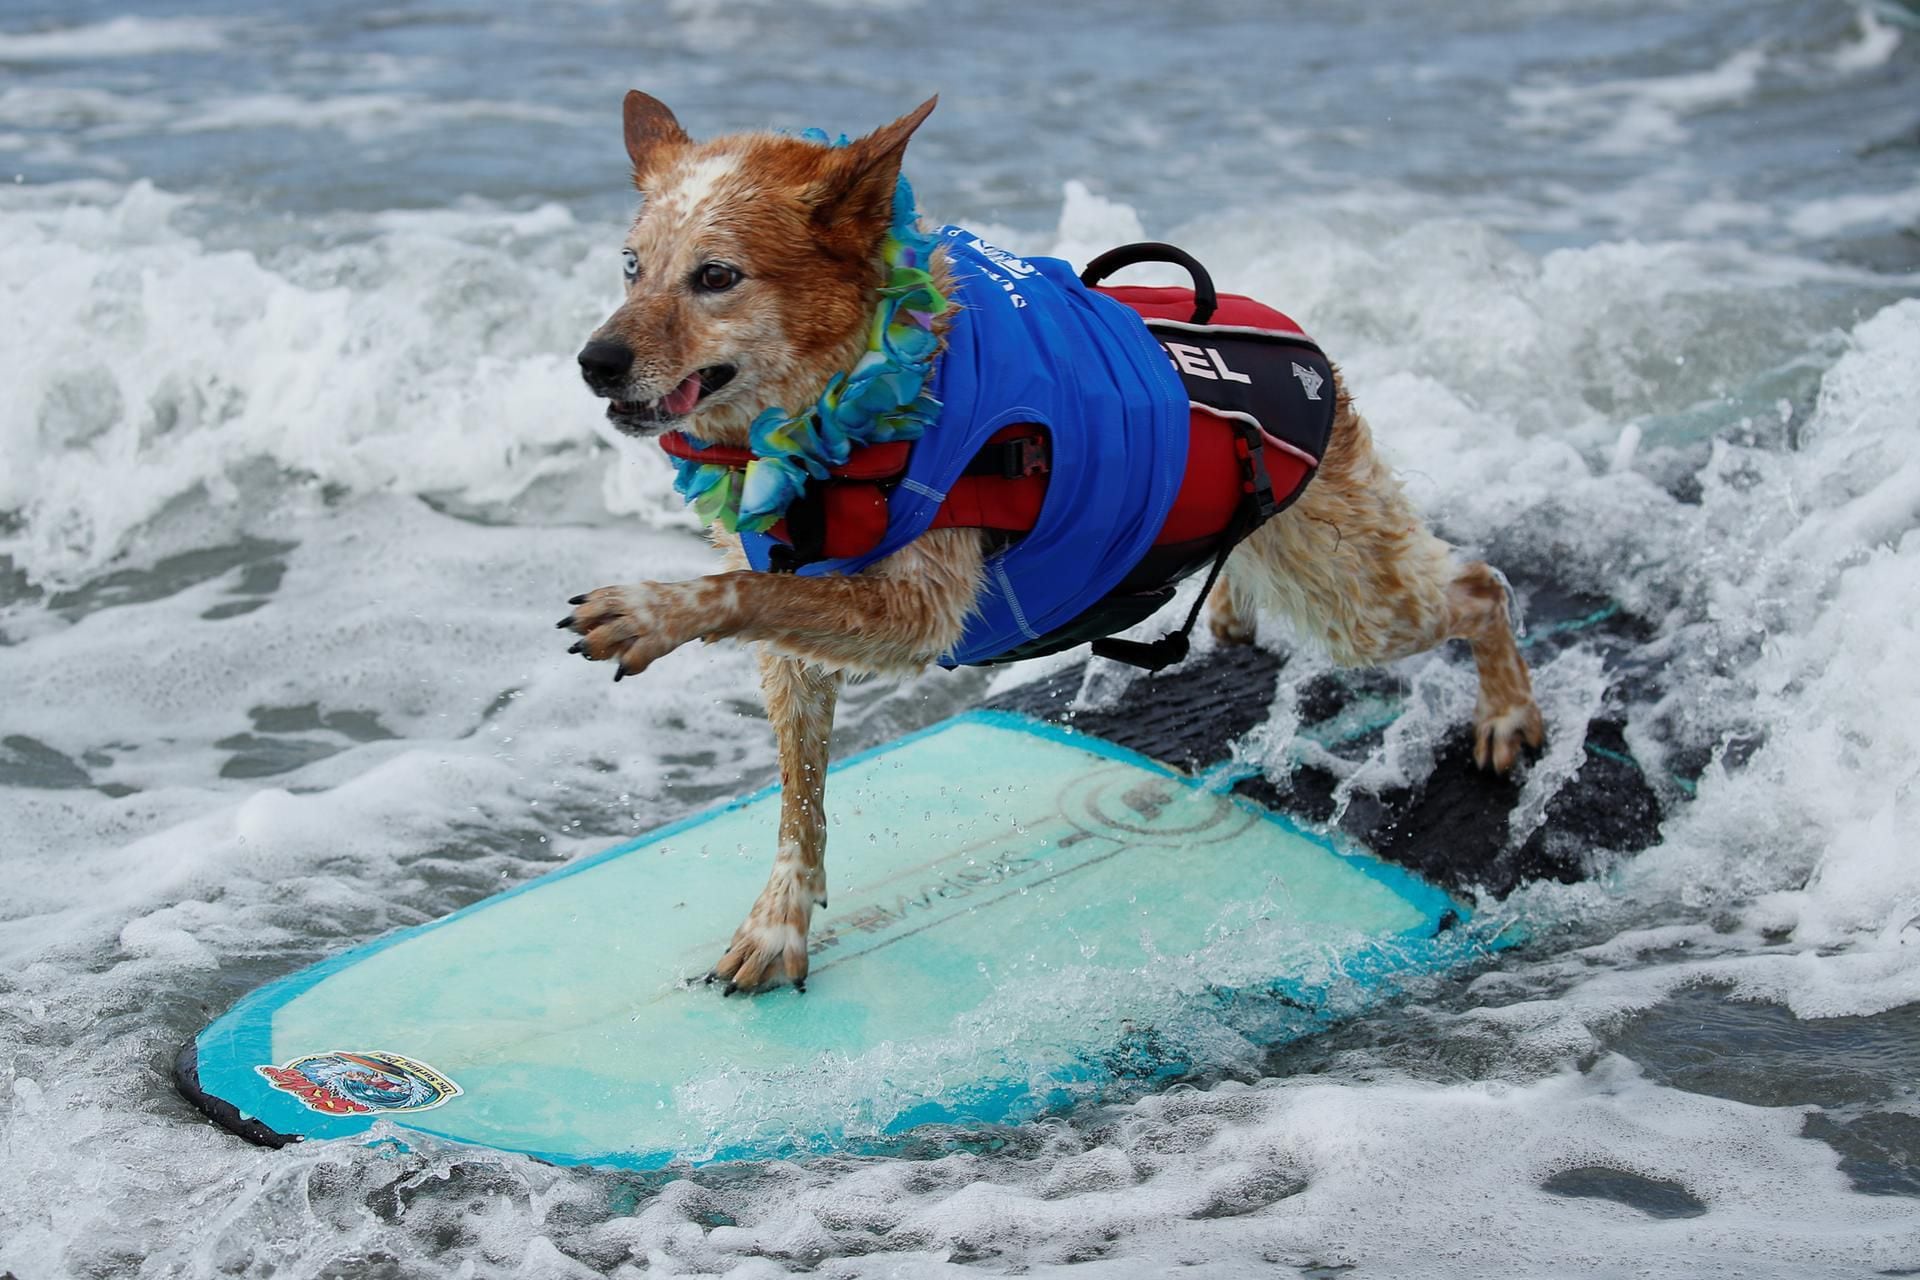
[881,400]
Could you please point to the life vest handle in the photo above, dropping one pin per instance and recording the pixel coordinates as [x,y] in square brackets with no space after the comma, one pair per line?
[1205,300]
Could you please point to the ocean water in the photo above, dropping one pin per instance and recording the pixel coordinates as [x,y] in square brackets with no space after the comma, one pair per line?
[296,473]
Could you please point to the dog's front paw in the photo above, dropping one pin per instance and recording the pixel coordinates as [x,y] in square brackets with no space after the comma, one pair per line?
[769,949]
[1499,736]
[637,625]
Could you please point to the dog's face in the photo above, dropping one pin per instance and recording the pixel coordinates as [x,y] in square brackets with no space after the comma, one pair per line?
[750,273]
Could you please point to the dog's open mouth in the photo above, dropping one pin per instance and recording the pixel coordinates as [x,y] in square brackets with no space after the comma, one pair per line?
[637,417]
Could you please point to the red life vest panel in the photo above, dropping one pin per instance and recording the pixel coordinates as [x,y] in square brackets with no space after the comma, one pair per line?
[1263,402]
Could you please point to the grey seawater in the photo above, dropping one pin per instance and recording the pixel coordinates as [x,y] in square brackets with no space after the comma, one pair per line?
[295,475]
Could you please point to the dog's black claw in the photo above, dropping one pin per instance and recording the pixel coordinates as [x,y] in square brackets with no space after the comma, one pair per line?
[800,985]
[712,977]
[577,600]
[731,988]
[578,646]
[564,623]
[619,674]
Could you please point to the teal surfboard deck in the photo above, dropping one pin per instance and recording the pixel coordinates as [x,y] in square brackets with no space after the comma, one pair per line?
[1023,916]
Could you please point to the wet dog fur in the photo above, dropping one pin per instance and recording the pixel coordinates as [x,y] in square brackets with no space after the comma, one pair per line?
[753,267]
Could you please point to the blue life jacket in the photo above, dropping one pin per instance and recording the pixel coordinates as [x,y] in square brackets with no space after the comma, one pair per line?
[1029,343]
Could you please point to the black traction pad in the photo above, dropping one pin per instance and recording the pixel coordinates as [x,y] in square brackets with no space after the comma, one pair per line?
[1453,828]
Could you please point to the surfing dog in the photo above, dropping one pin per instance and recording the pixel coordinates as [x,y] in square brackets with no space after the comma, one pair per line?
[752,274]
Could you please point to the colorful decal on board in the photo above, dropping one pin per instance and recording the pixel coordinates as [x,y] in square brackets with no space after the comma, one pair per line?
[342,1083]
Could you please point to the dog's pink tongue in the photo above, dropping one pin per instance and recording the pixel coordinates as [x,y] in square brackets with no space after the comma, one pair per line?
[684,396]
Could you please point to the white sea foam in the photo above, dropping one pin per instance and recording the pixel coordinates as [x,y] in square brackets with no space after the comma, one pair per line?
[62,107]
[361,116]
[1878,41]
[1312,1165]
[1630,116]
[1830,602]
[150,367]
[125,37]
[1820,218]
[686,9]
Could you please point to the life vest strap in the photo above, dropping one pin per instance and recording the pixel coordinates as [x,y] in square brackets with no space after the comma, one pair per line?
[1013,453]
[1002,489]
[868,462]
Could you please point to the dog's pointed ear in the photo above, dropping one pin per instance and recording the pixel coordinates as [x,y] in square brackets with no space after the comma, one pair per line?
[651,132]
[858,193]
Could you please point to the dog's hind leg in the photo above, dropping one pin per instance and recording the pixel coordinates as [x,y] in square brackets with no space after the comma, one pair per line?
[1230,620]
[1505,714]
[770,947]
[1355,567]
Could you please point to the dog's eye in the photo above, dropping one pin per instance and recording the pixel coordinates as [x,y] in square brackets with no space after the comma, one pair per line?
[631,262]
[715,277]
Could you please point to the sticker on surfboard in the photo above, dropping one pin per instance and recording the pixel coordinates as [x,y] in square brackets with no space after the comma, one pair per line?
[341,1083]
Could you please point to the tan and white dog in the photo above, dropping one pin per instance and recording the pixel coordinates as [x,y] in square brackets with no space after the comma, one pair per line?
[752,272]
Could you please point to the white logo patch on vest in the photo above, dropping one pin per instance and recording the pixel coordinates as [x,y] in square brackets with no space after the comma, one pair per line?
[1015,265]
[1309,380]
[1017,269]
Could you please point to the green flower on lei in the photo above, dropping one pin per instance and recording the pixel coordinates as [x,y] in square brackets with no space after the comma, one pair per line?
[881,400]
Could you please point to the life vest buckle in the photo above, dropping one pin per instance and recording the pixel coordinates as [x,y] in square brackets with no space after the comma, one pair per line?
[1026,456]
[1013,459]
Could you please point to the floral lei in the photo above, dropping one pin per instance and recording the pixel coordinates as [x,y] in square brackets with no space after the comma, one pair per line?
[882,399]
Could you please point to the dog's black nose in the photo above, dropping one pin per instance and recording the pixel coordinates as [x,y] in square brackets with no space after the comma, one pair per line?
[604,364]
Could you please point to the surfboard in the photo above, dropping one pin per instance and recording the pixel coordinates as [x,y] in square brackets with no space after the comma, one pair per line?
[1024,916]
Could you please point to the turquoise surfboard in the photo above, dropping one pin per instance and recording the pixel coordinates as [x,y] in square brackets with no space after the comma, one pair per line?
[1021,917]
